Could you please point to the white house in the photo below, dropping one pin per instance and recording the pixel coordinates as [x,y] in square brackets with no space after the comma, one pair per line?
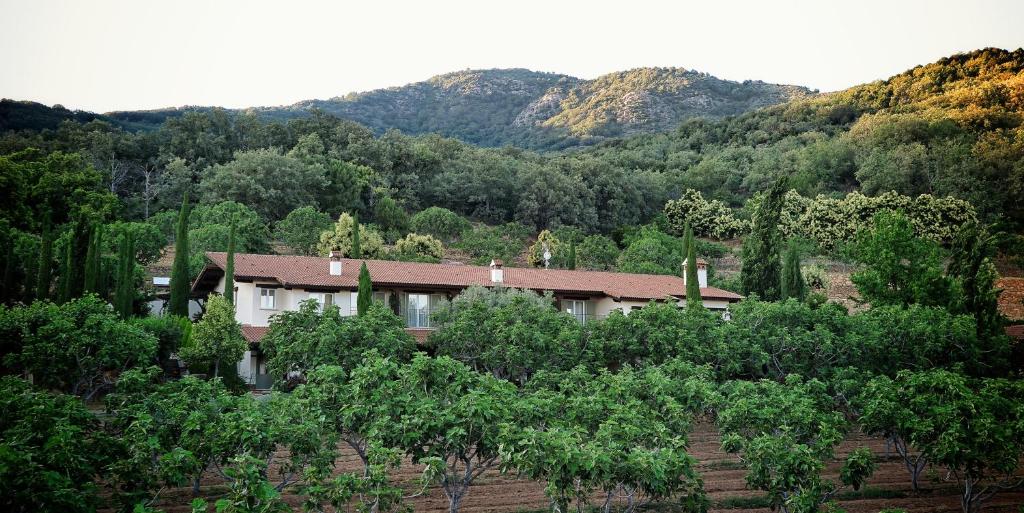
[268,284]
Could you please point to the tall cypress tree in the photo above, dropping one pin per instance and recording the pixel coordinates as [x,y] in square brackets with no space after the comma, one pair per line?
[357,250]
[685,254]
[365,295]
[79,248]
[45,268]
[181,278]
[64,286]
[124,295]
[571,264]
[93,259]
[229,268]
[793,285]
[762,268]
[692,281]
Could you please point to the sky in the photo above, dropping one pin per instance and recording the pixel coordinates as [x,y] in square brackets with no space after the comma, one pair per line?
[104,55]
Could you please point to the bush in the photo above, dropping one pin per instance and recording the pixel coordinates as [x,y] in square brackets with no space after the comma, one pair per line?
[441,223]
[301,229]
[419,248]
[339,238]
[707,218]
[505,242]
[597,252]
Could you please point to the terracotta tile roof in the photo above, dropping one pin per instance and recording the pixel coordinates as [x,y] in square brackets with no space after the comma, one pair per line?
[313,272]
[254,333]
[1011,300]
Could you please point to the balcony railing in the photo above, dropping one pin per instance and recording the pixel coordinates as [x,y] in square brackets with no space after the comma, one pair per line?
[417,318]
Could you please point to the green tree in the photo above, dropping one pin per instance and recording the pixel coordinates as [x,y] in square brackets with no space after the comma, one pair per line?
[124,296]
[94,261]
[441,223]
[545,240]
[269,182]
[418,248]
[365,294]
[340,238]
[357,248]
[79,347]
[693,299]
[971,427]
[570,259]
[301,229]
[793,285]
[686,248]
[971,265]
[507,332]
[300,341]
[52,453]
[181,276]
[899,268]
[45,267]
[217,339]
[761,273]
[229,267]
[390,218]
[598,253]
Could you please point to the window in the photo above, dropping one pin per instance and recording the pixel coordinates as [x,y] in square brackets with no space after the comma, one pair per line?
[267,297]
[323,299]
[353,302]
[417,311]
[578,309]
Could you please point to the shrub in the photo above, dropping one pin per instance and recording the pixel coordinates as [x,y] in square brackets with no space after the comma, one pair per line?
[707,218]
[441,223]
[419,248]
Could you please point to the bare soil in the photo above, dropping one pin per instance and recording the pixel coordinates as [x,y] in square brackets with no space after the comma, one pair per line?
[723,476]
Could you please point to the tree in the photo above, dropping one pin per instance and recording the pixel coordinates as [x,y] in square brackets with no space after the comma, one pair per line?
[899,268]
[365,294]
[793,285]
[301,229]
[390,217]
[217,338]
[761,273]
[441,223]
[299,341]
[570,259]
[340,238]
[357,248]
[53,451]
[972,427]
[79,347]
[45,268]
[124,295]
[418,248]
[545,241]
[598,253]
[506,332]
[971,265]
[693,299]
[269,182]
[93,261]
[229,267]
[181,276]
[784,433]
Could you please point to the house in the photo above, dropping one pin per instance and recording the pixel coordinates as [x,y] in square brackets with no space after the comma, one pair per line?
[268,284]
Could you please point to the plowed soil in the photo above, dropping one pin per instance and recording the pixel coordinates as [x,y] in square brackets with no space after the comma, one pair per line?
[723,475]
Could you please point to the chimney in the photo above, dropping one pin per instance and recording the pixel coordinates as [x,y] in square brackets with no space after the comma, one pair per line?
[497,273]
[702,273]
[335,263]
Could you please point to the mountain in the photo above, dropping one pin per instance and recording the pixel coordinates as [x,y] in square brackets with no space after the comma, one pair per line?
[537,110]
[497,107]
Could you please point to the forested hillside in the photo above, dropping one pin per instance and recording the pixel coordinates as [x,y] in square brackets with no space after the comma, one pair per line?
[497,107]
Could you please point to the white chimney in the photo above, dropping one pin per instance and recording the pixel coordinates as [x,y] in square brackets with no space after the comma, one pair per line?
[335,263]
[702,273]
[497,273]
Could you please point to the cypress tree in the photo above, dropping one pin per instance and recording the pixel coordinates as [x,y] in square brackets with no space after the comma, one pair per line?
[181,280]
[229,268]
[793,285]
[357,251]
[124,295]
[686,248]
[571,264]
[365,295]
[692,281]
[93,257]
[762,268]
[79,246]
[64,286]
[9,287]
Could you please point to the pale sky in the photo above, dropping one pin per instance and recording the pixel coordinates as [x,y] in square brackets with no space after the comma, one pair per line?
[137,54]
